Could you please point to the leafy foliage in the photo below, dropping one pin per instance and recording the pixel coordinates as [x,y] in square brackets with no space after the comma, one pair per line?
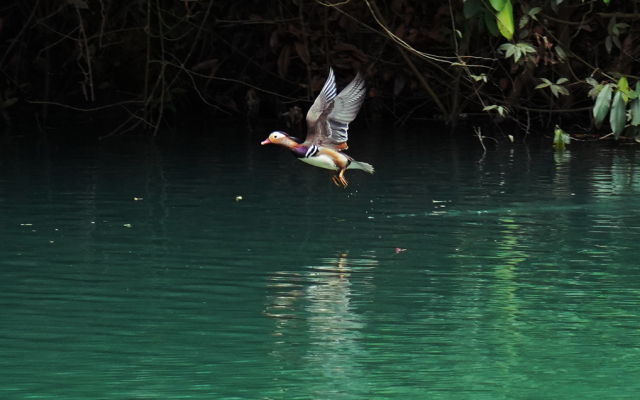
[560,139]
[505,20]
[615,30]
[556,89]
[148,62]
[618,117]
[517,51]
[617,110]
[603,103]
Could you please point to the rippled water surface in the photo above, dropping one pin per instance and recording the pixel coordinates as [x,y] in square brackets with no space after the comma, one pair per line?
[134,271]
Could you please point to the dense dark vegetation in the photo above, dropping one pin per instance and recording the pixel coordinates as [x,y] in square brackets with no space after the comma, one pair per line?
[144,65]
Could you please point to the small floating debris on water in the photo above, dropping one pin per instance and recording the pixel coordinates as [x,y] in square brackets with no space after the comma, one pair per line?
[238,198]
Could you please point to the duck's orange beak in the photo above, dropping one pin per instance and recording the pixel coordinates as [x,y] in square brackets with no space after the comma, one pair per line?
[266,141]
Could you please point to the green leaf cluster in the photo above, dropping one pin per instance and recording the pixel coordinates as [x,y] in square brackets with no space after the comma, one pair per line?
[504,17]
[613,99]
[615,29]
[517,51]
[498,20]
[501,110]
[556,89]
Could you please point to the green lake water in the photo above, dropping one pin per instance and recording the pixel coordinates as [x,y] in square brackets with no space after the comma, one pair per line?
[134,271]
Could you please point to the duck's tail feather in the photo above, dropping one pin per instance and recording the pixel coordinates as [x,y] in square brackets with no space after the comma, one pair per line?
[361,165]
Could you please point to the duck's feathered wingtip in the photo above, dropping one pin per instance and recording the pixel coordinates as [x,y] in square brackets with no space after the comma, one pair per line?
[346,107]
[325,97]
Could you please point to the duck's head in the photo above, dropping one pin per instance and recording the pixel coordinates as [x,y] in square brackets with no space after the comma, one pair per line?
[275,138]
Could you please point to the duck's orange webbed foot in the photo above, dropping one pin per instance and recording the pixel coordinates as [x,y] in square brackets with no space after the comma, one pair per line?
[342,180]
[335,180]
[339,180]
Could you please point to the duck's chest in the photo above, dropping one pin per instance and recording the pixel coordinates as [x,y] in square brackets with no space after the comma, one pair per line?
[319,157]
[321,160]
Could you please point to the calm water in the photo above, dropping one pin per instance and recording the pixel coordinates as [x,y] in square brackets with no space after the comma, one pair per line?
[130,271]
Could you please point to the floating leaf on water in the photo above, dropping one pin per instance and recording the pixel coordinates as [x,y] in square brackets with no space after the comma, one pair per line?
[561,139]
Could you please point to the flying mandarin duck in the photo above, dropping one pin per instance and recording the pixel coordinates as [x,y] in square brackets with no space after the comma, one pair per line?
[327,124]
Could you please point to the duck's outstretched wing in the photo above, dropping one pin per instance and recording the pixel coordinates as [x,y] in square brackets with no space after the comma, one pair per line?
[329,117]
[324,99]
[345,108]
